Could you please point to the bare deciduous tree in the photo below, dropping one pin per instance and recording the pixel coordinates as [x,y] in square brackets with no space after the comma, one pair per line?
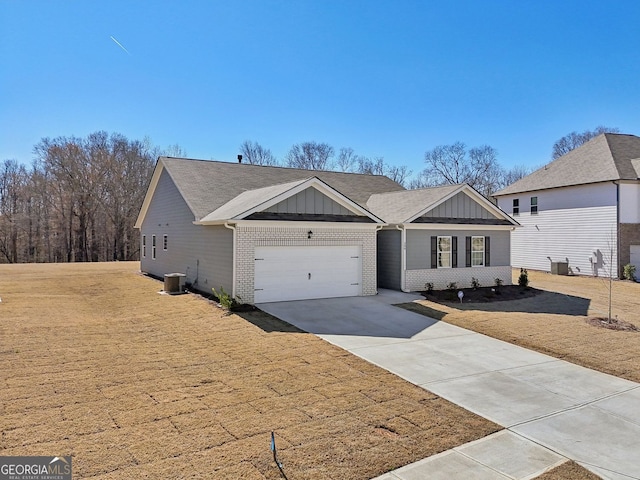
[454,164]
[310,156]
[78,202]
[574,140]
[255,154]
[347,160]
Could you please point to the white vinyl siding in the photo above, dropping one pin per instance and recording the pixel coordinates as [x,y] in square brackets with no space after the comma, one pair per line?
[630,203]
[575,222]
[477,251]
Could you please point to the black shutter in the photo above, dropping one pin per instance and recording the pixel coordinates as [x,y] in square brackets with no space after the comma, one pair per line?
[487,251]
[434,252]
[468,251]
[454,252]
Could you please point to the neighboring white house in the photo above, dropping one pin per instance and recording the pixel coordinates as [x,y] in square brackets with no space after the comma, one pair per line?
[271,234]
[582,209]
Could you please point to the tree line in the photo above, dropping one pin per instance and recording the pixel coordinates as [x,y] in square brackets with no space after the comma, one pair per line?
[77,202]
[80,198]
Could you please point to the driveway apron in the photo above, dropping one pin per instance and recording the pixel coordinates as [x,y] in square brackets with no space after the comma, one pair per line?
[587,416]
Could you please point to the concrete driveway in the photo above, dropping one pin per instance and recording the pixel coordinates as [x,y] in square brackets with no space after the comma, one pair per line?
[588,416]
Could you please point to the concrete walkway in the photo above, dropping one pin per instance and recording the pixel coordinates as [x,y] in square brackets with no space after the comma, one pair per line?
[571,411]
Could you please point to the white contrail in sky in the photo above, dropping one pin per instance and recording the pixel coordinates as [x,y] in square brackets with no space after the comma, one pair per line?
[119,44]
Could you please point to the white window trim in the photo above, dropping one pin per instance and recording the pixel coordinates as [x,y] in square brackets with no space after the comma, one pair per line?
[477,251]
[144,246]
[439,252]
[153,247]
[515,209]
[531,206]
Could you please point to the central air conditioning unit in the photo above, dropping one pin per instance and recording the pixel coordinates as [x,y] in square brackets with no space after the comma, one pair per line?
[174,283]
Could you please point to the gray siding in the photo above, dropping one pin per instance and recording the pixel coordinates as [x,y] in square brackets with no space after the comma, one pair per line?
[309,201]
[460,206]
[389,259]
[419,246]
[203,253]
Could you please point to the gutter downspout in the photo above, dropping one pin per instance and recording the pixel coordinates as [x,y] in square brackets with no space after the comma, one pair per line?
[618,272]
[378,228]
[403,257]
[233,265]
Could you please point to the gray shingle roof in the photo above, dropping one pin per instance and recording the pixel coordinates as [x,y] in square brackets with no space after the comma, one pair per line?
[207,185]
[248,200]
[398,207]
[607,157]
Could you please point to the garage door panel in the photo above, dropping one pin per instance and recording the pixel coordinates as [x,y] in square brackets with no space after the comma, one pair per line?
[296,273]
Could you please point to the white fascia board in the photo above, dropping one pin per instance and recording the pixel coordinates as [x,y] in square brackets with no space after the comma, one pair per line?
[323,188]
[294,224]
[456,226]
[155,178]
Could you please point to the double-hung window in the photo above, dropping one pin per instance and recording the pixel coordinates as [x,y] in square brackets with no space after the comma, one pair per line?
[477,251]
[534,205]
[515,210]
[144,246]
[444,252]
[153,247]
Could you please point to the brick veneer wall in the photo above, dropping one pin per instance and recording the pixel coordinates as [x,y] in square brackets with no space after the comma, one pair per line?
[249,237]
[629,235]
[441,277]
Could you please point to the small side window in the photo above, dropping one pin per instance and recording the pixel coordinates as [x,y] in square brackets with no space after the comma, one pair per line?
[516,207]
[534,205]
[165,242]
[153,247]
[144,246]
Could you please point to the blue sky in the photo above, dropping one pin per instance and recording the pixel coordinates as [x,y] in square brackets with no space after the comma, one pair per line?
[387,78]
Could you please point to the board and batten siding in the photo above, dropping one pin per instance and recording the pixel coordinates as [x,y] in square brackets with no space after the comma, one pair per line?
[310,201]
[576,224]
[389,259]
[203,253]
[418,257]
[460,205]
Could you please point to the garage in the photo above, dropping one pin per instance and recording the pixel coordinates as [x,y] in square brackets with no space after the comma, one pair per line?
[304,272]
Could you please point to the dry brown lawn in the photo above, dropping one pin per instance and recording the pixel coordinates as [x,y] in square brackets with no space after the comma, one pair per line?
[96,364]
[554,322]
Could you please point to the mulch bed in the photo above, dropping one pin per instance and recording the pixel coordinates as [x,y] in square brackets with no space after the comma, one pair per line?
[481,294]
[613,324]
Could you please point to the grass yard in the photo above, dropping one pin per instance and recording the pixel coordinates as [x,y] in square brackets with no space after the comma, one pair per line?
[96,364]
[554,322]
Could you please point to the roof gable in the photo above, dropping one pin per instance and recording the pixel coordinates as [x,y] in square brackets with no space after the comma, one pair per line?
[460,205]
[437,202]
[264,199]
[605,158]
[208,185]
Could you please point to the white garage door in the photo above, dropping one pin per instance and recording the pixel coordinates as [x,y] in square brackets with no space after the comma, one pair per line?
[635,258]
[298,273]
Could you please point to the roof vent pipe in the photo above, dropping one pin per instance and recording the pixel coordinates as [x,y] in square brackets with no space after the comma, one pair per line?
[239,158]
